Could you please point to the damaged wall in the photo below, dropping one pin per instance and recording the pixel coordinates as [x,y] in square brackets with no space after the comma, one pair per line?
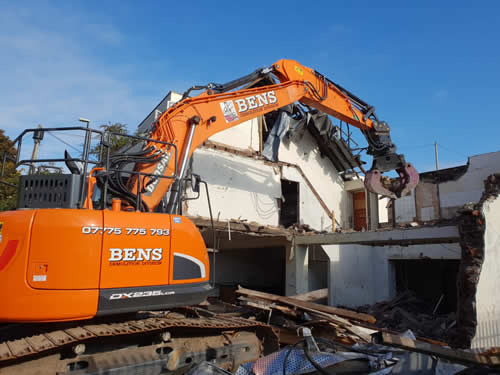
[427,201]
[249,188]
[244,136]
[469,187]
[405,208]
[239,187]
[487,295]
[363,274]
[323,176]
[383,210]
[440,194]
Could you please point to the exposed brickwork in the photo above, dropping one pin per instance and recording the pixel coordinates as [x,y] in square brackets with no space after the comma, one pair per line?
[472,226]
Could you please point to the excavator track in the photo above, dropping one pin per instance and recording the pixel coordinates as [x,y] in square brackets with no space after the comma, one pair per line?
[159,343]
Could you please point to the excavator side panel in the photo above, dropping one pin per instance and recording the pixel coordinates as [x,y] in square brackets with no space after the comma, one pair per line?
[136,249]
[62,256]
[190,262]
[20,301]
[138,263]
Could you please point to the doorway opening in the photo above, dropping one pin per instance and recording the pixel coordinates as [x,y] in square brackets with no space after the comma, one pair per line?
[359,209]
[289,203]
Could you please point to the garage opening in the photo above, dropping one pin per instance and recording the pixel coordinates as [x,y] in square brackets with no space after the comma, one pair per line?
[289,203]
[260,269]
[433,281]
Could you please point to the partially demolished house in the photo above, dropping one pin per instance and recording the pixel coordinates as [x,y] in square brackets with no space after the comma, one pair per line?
[269,174]
[464,197]
[291,216]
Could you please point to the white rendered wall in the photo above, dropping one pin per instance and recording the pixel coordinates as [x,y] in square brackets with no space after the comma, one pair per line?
[405,208]
[361,274]
[244,136]
[311,211]
[470,186]
[323,176]
[488,295]
[383,211]
[239,187]
[246,188]
[446,251]
[358,275]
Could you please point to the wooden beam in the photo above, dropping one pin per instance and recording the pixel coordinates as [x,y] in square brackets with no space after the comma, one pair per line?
[460,356]
[307,305]
[312,296]
[266,305]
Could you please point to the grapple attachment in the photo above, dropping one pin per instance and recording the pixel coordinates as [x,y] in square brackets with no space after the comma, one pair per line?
[396,188]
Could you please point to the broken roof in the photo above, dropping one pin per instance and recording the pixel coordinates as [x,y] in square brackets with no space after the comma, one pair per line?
[290,123]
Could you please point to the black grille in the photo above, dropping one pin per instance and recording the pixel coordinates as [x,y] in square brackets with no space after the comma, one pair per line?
[49,191]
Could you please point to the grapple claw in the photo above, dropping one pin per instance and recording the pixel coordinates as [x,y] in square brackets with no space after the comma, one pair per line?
[373,183]
[408,180]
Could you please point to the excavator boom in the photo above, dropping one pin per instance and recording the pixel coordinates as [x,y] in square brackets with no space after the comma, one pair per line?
[193,120]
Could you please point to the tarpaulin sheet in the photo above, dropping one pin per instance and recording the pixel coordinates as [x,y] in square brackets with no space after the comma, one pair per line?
[297,362]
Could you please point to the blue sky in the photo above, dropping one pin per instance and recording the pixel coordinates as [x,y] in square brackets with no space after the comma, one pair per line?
[433,73]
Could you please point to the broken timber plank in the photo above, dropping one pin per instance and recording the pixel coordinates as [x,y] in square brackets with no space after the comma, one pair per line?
[332,319]
[288,336]
[312,296]
[460,356]
[257,305]
[266,305]
[355,330]
[305,305]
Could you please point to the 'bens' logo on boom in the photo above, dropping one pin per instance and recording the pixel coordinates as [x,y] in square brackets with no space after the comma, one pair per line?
[256,101]
[132,256]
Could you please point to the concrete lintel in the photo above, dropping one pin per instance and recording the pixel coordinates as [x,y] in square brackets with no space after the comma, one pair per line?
[252,242]
[410,236]
[354,185]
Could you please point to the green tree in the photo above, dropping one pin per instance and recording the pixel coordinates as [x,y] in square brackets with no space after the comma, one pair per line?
[8,193]
[117,142]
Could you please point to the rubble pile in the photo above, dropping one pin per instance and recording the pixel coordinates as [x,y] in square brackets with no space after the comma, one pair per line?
[347,341]
[406,311]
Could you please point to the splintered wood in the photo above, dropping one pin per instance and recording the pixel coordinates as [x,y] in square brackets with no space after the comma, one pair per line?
[305,305]
[294,307]
[349,327]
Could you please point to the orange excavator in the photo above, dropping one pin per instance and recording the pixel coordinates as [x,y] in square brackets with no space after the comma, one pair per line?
[66,255]
[108,238]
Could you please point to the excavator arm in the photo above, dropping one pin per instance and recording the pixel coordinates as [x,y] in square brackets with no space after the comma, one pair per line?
[194,119]
[331,98]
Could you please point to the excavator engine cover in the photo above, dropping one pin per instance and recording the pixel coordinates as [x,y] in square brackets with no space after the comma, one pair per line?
[68,264]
